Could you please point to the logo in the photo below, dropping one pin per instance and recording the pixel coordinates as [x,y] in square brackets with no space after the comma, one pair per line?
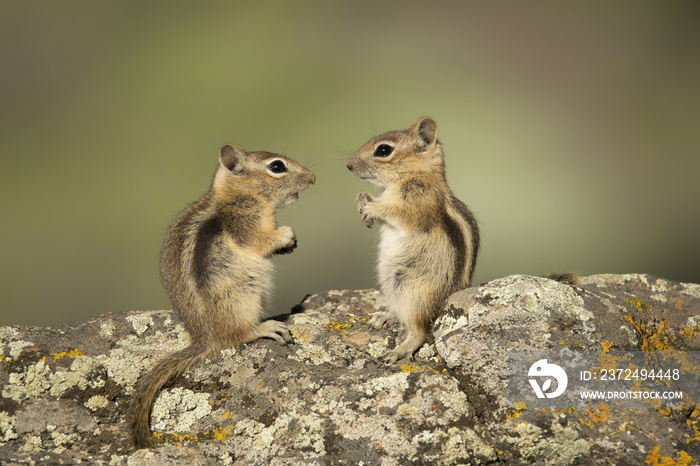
[543,369]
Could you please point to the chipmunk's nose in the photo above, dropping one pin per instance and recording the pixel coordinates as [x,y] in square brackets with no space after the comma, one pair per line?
[313,179]
[350,165]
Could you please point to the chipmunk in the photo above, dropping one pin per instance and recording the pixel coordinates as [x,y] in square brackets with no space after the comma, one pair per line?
[429,238]
[216,266]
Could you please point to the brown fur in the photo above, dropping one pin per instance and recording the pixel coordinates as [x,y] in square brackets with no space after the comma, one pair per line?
[570,278]
[216,268]
[429,238]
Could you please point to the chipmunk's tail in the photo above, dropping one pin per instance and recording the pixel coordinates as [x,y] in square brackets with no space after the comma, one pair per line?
[149,386]
[570,278]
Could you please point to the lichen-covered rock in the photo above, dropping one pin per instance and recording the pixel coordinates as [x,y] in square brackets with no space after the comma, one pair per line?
[326,399]
[482,327]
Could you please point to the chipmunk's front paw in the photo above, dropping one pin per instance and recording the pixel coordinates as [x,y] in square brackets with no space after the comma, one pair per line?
[363,201]
[288,239]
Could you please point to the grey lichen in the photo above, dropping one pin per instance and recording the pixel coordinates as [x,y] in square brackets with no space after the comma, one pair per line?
[563,447]
[177,409]
[311,354]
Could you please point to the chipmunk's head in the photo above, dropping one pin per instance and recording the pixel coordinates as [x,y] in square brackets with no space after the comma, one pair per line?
[275,177]
[389,157]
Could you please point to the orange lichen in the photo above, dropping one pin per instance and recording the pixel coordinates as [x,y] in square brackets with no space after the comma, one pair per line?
[70,354]
[337,326]
[639,303]
[656,459]
[599,413]
[652,339]
[696,431]
[416,367]
[516,411]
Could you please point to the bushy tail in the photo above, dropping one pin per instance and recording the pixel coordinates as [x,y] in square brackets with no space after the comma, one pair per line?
[149,386]
[570,278]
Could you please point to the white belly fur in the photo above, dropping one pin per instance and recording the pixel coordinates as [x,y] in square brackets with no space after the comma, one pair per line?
[424,261]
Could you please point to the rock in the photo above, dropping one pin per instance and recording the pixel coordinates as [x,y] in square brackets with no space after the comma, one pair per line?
[328,400]
[483,327]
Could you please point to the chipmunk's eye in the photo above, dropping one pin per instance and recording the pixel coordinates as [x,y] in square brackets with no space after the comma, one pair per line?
[277,166]
[383,150]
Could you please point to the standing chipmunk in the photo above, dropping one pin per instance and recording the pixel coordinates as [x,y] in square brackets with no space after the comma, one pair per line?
[216,266]
[429,238]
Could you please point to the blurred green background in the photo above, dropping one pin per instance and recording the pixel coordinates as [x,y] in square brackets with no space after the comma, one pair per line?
[571,129]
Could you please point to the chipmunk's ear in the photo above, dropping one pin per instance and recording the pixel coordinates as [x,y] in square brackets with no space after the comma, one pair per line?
[424,133]
[231,156]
